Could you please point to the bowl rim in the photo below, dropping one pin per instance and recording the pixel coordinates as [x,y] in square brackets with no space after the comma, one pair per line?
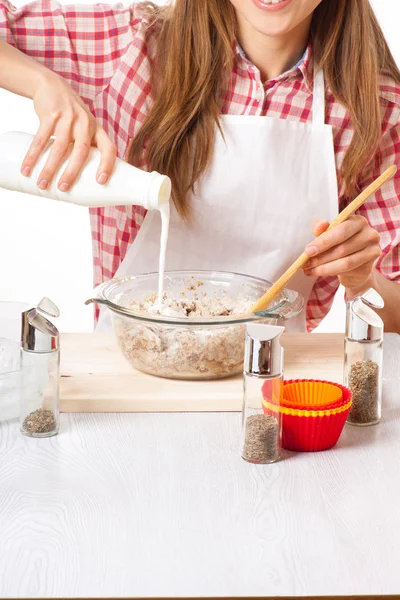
[290,296]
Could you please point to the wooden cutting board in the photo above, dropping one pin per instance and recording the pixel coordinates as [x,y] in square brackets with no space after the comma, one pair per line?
[95,377]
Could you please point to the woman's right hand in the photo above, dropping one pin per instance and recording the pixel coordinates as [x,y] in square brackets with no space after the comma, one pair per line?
[64,115]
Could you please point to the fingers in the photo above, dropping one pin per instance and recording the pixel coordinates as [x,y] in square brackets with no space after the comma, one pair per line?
[363,239]
[77,159]
[335,236]
[358,263]
[108,156]
[319,226]
[83,133]
[80,154]
[349,251]
[37,146]
[55,158]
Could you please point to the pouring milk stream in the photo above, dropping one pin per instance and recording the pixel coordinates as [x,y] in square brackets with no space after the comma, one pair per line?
[127,186]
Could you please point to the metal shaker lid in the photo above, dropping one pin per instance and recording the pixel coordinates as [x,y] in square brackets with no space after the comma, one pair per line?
[363,324]
[263,351]
[38,333]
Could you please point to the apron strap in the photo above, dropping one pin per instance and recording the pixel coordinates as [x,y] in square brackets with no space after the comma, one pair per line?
[318,116]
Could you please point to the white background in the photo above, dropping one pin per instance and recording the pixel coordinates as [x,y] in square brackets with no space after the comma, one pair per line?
[45,246]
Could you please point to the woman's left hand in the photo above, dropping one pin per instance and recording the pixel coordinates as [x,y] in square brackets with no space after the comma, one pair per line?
[348,251]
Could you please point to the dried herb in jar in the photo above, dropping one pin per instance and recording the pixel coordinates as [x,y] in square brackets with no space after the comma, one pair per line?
[261,443]
[364,386]
[41,420]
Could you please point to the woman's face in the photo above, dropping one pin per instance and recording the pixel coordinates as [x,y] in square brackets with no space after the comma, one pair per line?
[275,17]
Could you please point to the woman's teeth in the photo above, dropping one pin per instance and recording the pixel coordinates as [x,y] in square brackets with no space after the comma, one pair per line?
[266,2]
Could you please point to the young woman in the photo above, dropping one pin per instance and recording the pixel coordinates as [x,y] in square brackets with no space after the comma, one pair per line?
[268,115]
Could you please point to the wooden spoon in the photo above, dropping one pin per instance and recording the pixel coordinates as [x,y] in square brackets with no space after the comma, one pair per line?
[266,300]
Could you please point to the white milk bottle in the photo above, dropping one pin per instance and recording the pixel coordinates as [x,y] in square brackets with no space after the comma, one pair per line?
[127,185]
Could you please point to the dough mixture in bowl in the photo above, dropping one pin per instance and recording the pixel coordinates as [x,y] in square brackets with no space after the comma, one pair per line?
[198,330]
[185,350]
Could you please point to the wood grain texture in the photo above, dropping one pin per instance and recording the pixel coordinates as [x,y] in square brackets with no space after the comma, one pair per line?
[97,378]
[162,505]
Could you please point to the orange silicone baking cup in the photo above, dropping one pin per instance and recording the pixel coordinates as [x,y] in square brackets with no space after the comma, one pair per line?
[307,394]
[311,393]
[309,430]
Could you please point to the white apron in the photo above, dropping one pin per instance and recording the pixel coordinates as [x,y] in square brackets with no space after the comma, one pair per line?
[253,208]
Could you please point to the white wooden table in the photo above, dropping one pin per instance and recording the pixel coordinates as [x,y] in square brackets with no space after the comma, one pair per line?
[163,505]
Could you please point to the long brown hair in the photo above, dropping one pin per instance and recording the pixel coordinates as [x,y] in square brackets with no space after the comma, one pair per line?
[195,60]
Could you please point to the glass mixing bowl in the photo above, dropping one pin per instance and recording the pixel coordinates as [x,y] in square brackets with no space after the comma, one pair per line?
[189,347]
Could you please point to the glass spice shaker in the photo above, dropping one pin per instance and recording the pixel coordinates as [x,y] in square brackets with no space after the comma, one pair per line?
[363,358]
[40,371]
[262,390]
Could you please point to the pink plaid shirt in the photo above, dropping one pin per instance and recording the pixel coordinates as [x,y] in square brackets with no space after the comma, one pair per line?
[106,51]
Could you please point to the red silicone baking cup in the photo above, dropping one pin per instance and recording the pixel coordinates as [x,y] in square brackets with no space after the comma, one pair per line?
[312,434]
[307,433]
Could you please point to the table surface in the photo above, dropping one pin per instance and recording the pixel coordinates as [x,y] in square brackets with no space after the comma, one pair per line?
[163,505]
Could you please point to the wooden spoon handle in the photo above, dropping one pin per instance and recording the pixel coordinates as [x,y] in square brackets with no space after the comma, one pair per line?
[266,300]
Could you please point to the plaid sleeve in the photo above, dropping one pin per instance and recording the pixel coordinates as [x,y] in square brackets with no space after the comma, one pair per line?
[82,43]
[382,212]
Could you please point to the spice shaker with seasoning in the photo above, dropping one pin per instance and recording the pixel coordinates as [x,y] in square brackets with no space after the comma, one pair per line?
[363,358]
[40,371]
[262,378]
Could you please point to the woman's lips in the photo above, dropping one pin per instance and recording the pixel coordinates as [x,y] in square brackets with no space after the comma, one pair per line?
[272,6]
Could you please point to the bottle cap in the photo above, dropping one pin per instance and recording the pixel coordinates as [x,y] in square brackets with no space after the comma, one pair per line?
[263,351]
[38,333]
[363,324]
